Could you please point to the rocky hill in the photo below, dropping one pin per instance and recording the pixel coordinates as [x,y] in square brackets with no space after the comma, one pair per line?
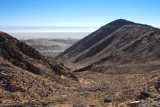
[119,42]
[120,64]
[27,75]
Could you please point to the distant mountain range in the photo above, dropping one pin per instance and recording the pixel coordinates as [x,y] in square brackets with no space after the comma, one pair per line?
[118,42]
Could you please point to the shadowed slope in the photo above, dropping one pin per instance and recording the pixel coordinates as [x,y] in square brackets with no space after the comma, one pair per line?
[93,38]
[120,42]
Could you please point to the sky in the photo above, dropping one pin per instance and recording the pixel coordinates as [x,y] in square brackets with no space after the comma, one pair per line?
[79,13]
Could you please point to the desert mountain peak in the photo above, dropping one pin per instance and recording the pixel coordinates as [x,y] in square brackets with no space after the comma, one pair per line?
[120,22]
[120,41]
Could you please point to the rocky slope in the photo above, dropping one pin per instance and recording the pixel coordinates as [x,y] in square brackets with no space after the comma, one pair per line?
[26,75]
[119,42]
[123,58]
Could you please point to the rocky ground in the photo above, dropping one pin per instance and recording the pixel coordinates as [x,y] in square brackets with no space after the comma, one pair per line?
[103,90]
[26,75]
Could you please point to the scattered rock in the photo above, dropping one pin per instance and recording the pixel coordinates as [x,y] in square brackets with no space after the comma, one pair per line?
[122,105]
[143,95]
[157,86]
[134,104]
[107,100]
[79,105]
[92,106]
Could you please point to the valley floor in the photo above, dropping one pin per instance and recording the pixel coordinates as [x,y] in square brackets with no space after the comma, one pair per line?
[110,90]
[102,89]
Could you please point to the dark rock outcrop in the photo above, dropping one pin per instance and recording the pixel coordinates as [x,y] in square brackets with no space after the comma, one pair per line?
[143,95]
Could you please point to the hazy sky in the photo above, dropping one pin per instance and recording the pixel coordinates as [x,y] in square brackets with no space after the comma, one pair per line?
[77,12]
